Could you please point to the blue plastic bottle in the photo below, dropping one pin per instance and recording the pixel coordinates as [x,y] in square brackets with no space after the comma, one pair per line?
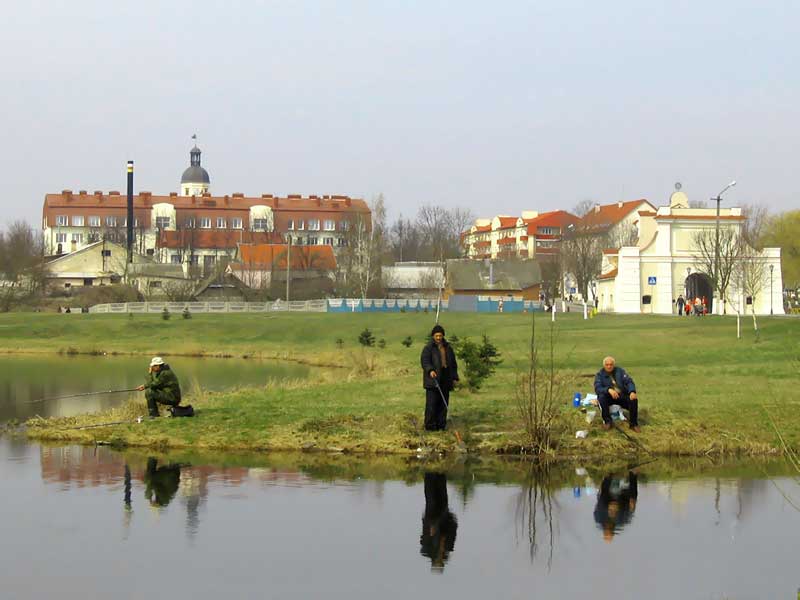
[576,400]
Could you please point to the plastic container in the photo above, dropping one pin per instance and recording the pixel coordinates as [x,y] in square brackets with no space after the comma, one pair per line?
[576,400]
[581,434]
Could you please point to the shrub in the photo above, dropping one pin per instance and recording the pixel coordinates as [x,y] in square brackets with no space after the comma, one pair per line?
[480,361]
[186,313]
[407,342]
[381,343]
[165,314]
[339,343]
[366,338]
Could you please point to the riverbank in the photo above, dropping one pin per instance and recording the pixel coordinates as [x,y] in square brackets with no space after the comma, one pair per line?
[703,392]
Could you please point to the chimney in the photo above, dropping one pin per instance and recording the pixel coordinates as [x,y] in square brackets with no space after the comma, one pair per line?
[67,194]
[597,208]
[82,193]
[347,201]
[173,194]
[619,204]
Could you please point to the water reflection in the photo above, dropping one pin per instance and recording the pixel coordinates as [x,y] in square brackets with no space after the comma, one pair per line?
[534,510]
[616,503]
[161,482]
[439,524]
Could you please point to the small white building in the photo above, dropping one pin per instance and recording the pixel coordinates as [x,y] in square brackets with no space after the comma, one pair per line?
[665,263]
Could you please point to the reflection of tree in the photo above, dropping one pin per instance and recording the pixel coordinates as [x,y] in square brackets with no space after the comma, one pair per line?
[534,510]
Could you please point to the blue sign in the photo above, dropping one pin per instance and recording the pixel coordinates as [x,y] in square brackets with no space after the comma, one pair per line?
[651,281]
[573,290]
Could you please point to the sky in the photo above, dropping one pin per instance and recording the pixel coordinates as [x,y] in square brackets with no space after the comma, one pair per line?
[494,107]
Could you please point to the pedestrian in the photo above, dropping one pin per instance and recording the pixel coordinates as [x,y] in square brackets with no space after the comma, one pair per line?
[705,305]
[680,304]
[698,307]
[162,386]
[688,307]
[439,373]
[614,386]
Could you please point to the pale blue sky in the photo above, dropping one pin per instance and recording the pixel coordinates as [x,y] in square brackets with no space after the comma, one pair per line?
[496,107]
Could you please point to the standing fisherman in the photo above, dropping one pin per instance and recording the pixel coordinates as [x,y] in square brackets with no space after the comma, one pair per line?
[162,386]
[439,373]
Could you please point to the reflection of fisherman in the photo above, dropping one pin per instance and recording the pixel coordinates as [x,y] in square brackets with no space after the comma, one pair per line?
[616,503]
[162,386]
[439,525]
[438,365]
[161,483]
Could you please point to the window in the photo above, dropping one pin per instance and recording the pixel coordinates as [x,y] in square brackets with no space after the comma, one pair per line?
[189,223]
[221,224]
[548,230]
[186,191]
[313,241]
[77,221]
[88,281]
[175,259]
[301,225]
[111,221]
[313,224]
[162,222]
[342,242]
[94,221]
[106,253]
[150,251]
[205,222]
[259,224]
[61,238]
[236,223]
[61,220]
[298,241]
[154,284]
[194,259]
[208,261]
[93,237]
[328,241]
[330,225]
[77,238]
[290,225]
[344,225]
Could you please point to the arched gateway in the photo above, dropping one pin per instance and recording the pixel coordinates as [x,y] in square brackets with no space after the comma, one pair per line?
[698,285]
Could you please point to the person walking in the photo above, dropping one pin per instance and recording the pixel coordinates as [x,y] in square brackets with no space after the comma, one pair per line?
[162,386]
[614,386]
[680,304]
[439,373]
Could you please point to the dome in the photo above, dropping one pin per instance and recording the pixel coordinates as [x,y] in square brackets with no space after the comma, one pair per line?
[195,174]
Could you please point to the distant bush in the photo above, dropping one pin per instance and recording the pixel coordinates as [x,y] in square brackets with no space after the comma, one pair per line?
[339,343]
[381,343]
[366,338]
[186,313]
[165,314]
[407,342]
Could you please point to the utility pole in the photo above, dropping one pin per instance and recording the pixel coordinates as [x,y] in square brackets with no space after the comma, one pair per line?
[288,267]
[715,275]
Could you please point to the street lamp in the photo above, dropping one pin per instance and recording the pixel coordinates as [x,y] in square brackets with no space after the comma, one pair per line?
[771,267]
[718,199]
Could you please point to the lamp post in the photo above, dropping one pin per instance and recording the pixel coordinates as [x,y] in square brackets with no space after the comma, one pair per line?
[771,268]
[718,199]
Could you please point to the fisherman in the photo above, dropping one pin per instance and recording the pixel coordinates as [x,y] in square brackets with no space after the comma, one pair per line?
[162,386]
[614,386]
[439,373]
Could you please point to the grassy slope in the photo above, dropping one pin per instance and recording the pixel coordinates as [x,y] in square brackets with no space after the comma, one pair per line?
[701,389]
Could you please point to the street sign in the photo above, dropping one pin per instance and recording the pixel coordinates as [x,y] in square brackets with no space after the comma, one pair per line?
[651,281]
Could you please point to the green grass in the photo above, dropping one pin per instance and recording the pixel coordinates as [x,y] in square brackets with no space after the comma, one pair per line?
[702,391]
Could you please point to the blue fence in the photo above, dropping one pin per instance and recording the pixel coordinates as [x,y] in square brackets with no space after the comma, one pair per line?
[342,305]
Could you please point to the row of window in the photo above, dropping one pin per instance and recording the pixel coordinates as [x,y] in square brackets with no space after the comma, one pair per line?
[314,225]
[313,241]
[79,221]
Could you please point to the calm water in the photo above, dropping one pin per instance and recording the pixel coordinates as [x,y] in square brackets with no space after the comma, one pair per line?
[91,523]
[26,378]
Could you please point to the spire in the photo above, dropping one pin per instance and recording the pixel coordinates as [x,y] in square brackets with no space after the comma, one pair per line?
[194,153]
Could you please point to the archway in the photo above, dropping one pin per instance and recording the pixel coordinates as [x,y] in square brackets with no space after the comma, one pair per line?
[698,285]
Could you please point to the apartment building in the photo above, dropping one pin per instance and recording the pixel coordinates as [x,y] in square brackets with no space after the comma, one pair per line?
[532,235]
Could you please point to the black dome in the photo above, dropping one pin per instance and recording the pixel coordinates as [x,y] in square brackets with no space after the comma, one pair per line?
[195,174]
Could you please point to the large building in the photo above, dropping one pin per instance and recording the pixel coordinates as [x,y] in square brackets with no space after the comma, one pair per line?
[647,276]
[532,235]
[193,225]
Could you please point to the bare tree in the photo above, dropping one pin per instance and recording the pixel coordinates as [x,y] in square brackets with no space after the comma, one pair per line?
[359,264]
[582,253]
[22,270]
[718,259]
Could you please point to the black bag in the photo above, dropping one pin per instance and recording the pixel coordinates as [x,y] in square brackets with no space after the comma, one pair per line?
[182,411]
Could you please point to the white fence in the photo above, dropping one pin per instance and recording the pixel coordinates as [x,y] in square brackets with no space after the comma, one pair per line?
[211,307]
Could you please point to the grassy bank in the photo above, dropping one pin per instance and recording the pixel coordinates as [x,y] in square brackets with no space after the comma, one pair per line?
[703,392]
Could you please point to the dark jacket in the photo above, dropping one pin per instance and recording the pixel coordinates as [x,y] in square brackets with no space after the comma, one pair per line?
[165,381]
[432,361]
[602,381]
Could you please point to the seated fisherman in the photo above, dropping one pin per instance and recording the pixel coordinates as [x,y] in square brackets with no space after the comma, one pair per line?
[614,386]
[162,386]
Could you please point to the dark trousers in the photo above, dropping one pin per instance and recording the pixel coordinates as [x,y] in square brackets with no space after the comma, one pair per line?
[435,409]
[624,401]
[155,397]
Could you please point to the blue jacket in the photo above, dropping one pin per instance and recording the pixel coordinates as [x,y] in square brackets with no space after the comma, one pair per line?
[602,381]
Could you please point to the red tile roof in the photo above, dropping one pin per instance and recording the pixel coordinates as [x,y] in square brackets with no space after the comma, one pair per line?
[507,221]
[610,214]
[611,251]
[610,275]
[555,218]
[703,217]
[319,257]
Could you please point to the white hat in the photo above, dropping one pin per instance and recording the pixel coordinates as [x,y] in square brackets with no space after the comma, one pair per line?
[157,360]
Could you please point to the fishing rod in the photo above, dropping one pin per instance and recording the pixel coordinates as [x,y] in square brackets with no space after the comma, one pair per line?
[83,394]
